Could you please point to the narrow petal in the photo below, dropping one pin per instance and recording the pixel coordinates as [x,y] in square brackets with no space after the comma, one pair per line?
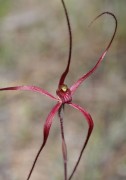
[91,125]
[46,130]
[29,88]
[79,81]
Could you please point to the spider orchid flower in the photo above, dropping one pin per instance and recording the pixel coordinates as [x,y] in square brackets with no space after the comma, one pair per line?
[64,96]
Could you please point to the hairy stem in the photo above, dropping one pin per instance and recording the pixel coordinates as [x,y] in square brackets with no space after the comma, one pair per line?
[64,147]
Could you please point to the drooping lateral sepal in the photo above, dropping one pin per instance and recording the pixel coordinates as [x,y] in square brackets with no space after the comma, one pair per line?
[90,128]
[46,131]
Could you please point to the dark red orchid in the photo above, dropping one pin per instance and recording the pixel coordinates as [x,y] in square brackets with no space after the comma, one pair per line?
[64,96]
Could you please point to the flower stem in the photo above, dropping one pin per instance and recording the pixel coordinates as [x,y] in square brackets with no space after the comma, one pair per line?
[64,147]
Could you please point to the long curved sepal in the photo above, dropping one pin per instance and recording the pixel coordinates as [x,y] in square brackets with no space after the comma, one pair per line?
[46,131]
[85,76]
[63,76]
[29,88]
[91,125]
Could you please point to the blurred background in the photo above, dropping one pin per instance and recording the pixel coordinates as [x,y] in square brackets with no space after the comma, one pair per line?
[33,51]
